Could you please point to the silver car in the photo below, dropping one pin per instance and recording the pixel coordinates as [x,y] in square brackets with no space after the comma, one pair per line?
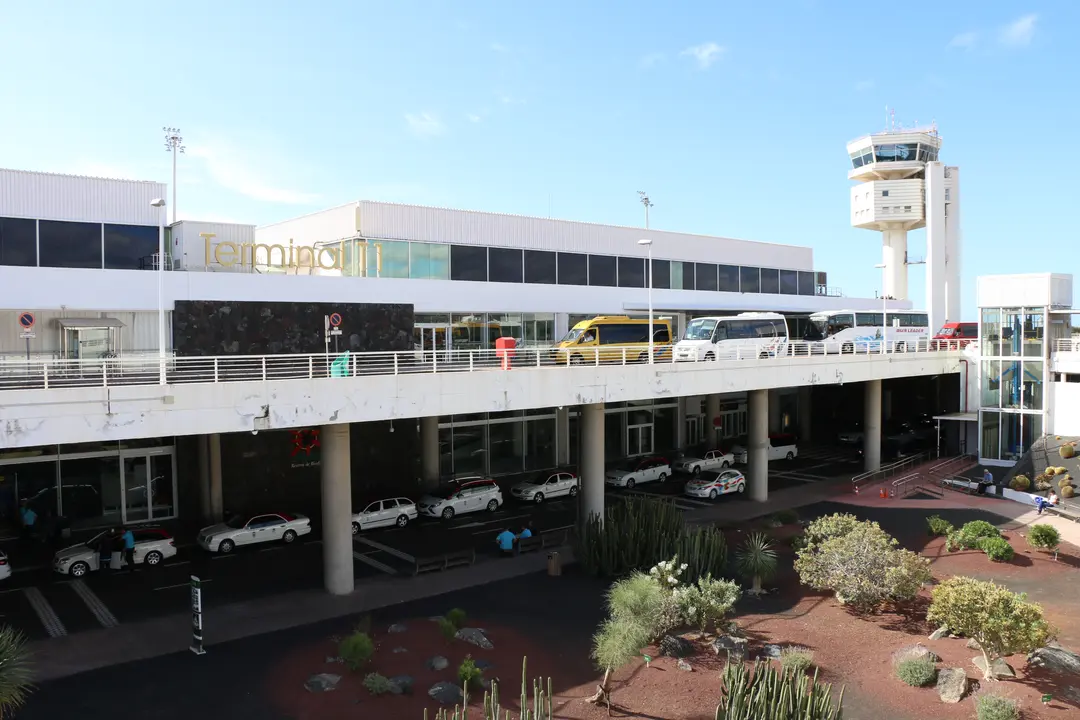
[384,513]
[457,498]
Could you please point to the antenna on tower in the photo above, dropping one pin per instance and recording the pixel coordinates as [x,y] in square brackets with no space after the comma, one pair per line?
[886,118]
[892,116]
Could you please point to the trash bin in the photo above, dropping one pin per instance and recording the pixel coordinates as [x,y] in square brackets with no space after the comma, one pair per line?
[554,564]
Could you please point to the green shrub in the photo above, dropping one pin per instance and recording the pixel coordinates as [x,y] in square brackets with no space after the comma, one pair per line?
[970,534]
[457,617]
[1066,451]
[1020,483]
[447,628]
[355,650]
[786,517]
[706,602]
[1044,537]
[831,526]
[377,684]
[996,707]
[468,674]
[796,659]
[917,672]
[997,549]
[937,526]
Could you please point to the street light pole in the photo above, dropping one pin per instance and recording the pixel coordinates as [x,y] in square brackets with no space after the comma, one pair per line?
[174,144]
[160,204]
[648,265]
[643,198]
[884,311]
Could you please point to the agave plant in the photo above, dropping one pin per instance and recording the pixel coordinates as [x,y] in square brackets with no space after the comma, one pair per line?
[15,673]
[756,560]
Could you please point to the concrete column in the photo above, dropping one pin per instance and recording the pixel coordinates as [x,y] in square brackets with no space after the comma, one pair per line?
[217,503]
[336,471]
[205,513]
[712,413]
[757,411]
[775,418]
[429,451]
[872,426]
[562,437]
[806,422]
[680,424]
[592,460]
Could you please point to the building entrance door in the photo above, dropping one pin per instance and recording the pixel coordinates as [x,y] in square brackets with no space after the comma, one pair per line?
[693,430]
[147,485]
[433,341]
[639,440]
[733,423]
[135,491]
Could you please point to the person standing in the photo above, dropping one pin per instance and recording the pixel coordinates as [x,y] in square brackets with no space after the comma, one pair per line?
[129,549]
[29,520]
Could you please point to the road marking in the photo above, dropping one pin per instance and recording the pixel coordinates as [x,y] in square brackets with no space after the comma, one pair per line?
[102,613]
[222,557]
[374,563]
[497,521]
[183,584]
[272,549]
[176,564]
[385,548]
[45,613]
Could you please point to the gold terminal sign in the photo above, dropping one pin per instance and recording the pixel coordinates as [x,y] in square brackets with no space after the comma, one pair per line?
[231,254]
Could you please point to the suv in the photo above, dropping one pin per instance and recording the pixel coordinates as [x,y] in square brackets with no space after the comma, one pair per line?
[152,545]
[461,496]
[630,472]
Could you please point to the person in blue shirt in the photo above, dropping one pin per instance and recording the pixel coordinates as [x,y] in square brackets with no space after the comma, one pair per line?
[128,539]
[526,532]
[506,541]
[29,519]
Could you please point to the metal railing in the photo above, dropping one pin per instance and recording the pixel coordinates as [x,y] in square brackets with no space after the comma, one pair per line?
[902,487]
[887,471]
[1067,345]
[49,374]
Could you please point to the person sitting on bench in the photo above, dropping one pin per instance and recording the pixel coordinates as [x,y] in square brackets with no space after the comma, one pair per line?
[526,531]
[507,542]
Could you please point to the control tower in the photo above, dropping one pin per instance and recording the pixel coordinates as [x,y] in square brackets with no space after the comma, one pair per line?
[903,186]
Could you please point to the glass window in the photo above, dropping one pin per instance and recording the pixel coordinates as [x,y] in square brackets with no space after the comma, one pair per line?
[1031,431]
[991,331]
[69,244]
[991,425]
[664,420]
[1033,332]
[1012,331]
[614,434]
[136,498]
[896,152]
[505,265]
[131,247]
[770,280]
[789,282]
[162,502]
[539,328]
[602,270]
[705,276]
[631,272]
[18,242]
[728,278]
[540,444]
[446,451]
[1011,438]
[573,269]
[682,275]
[505,325]
[472,331]
[1011,384]
[661,274]
[468,262]
[34,481]
[468,449]
[386,258]
[807,283]
[872,320]
[750,279]
[991,384]
[540,267]
[429,261]
[90,491]
[1032,398]
[507,447]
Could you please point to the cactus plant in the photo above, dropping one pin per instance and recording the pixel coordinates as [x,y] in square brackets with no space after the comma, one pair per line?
[540,708]
[1066,451]
[1020,482]
[1067,491]
[768,694]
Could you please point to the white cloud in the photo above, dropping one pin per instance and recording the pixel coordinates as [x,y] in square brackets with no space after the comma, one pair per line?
[964,41]
[510,100]
[227,169]
[705,54]
[652,59]
[499,48]
[425,124]
[864,85]
[474,118]
[1019,32]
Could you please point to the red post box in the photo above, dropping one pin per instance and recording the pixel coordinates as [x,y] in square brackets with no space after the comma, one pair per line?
[505,349]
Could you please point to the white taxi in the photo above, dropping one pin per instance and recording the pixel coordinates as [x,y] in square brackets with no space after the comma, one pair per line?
[709,484]
[249,530]
[712,460]
[152,546]
[384,513]
[638,470]
[545,486]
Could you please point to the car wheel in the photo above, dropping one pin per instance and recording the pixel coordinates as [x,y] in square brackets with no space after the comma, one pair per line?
[742,486]
[153,557]
[537,498]
[725,464]
[712,494]
[662,478]
[791,456]
[901,347]
[763,355]
[643,358]
[402,520]
[226,547]
[79,569]
[696,470]
[577,360]
[573,491]
[289,536]
[448,513]
[355,528]
[630,483]
[493,505]
[847,348]
[709,357]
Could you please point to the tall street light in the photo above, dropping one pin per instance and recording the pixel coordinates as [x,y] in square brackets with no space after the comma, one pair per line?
[160,204]
[647,243]
[643,198]
[174,144]
[884,310]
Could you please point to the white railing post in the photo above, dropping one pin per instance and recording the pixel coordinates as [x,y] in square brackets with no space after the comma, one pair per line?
[537,357]
[105,373]
[624,355]
[596,356]
[311,367]
[434,360]
[45,374]
[216,370]
[395,364]
[263,364]
[472,353]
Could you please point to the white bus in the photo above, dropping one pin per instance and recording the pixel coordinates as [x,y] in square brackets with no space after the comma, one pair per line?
[746,335]
[849,330]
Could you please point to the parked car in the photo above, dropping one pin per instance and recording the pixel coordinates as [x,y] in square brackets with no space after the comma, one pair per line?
[153,545]
[547,485]
[852,436]
[384,513]
[5,566]
[711,460]
[781,447]
[252,529]
[709,484]
[630,472]
[461,497]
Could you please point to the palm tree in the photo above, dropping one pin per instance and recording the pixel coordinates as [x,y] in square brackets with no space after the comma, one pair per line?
[15,673]
[756,559]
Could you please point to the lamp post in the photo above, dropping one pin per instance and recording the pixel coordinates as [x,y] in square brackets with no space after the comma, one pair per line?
[174,144]
[160,204]
[884,310]
[647,243]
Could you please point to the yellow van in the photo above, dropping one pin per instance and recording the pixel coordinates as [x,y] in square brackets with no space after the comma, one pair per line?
[610,335]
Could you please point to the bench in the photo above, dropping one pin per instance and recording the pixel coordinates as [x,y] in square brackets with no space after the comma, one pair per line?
[1067,512]
[544,540]
[436,563]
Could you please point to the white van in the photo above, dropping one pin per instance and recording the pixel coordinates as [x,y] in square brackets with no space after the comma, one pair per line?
[746,335]
[781,447]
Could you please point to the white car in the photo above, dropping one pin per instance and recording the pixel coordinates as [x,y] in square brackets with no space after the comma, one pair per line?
[709,484]
[781,447]
[5,566]
[638,470]
[544,486]
[248,530]
[850,437]
[461,497]
[152,547]
[713,460]
[384,513]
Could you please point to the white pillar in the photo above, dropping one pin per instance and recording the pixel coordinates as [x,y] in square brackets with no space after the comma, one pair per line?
[712,414]
[336,472]
[894,257]
[775,417]
[806,421]
[429,451]
[217,503]
[936,272]
[562,437]
[592,460]
[757,410]
[872,426]
[953,238]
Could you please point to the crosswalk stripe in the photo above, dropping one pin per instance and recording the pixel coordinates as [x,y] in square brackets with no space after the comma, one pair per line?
[374,563]
[45,612]
[93,602]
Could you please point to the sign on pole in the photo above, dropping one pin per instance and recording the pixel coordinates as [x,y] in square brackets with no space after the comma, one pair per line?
[334,319]
[196,616]
[26,321]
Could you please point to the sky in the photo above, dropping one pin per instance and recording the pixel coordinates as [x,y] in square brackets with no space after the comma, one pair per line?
[733,116]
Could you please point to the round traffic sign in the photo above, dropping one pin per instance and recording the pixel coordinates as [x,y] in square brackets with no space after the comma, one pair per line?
[335,319]
[26,320]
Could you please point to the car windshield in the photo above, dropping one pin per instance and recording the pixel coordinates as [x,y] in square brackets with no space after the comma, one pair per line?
[444,492]
[816,329]
[572,336]
[236,522]
[700,330]
[96,540]
[946,331]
